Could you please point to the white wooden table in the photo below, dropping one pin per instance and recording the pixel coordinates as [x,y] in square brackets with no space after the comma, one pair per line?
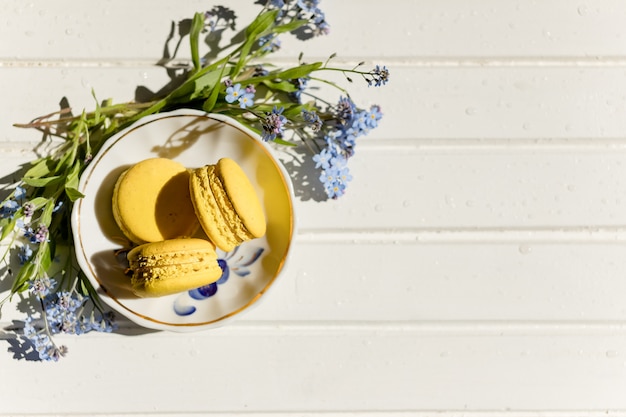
[477,265]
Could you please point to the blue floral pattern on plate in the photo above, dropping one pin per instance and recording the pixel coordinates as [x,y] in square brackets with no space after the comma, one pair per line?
[229,262]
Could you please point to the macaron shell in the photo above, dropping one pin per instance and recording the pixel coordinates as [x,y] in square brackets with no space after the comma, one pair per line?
[171,247]
[151,201]
[208,211]
[116,211]
[242,196]
[174,279]
[172,266]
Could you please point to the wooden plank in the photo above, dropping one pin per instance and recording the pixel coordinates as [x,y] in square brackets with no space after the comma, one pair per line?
[427,190]
[421,192]
[446,105]
[472,31]
[369,413]
[510,281]
[329,369]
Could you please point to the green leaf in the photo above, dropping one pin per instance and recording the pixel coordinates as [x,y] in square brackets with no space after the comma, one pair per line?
[73,193]
[284,86]
[271,80]
[298,72]
[183,93]
[288,27]
[66,159]
[215,65]
[194,35]
[45,255]
[38,202]
[53,248]
[262,22]
[20,283]
[71,183]
[72,176]
[283,142]
[207,82]
[46,258]
[293,111]
[265,108]
[289,111]
[97,111]
[46,215]
[8,225]
[210,102]
[42,182]
[4,222]
[40,168]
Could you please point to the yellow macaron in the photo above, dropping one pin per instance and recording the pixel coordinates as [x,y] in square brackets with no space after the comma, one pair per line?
[151,201]
[226,204]
[172,266]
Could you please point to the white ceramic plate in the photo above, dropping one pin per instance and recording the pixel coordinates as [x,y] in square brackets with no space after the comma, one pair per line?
[194,139]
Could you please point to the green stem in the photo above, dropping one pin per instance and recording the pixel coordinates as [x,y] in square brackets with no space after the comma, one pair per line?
[154,108]
[343,70]
[4,300]
[47,326]
[333,84]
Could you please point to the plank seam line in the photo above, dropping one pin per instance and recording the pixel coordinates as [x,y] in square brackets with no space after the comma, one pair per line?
[454,145]
[508,412]
[485,326]
[548,235]
[607,61]
[477,328]
[442,145]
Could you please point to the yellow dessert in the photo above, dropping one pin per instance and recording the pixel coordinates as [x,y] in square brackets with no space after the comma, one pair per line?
[172,266]
[151,201]
[226,204]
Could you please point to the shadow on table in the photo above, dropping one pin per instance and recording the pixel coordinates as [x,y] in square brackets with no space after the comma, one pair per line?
[304,175]
[23,349]
[19,346]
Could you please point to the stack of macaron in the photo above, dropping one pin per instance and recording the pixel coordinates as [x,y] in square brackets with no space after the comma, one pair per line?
[159,204]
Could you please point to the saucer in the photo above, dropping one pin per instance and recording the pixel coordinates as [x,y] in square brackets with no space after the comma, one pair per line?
[194,139]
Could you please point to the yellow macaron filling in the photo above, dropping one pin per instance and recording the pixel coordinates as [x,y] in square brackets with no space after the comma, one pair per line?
[209,213]
[231,217]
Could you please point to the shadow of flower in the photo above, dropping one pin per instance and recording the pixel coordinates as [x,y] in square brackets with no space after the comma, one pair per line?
[304,175]
[19,346]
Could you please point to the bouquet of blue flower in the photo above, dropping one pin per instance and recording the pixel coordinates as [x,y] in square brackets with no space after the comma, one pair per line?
[279,104]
